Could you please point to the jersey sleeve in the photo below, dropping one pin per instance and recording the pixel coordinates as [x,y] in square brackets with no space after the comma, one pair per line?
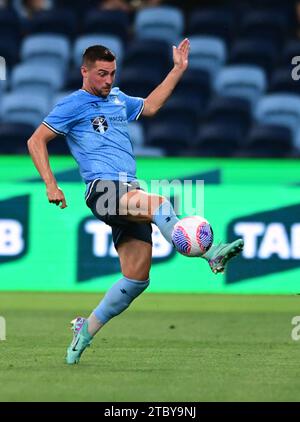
[134,106]
[63,116]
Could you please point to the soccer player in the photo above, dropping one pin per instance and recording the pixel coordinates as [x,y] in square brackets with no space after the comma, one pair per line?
[94,120]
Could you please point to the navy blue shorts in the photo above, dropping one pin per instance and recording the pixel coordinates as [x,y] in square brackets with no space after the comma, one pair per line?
[108,211]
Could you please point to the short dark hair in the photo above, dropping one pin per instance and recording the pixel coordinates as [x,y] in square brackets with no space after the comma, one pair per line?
[97,52]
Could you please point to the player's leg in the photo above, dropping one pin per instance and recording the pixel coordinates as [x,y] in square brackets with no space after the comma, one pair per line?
[142,206]
[135,259]
[134,245]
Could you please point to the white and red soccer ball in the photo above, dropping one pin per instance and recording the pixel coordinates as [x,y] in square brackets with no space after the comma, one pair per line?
[192,236]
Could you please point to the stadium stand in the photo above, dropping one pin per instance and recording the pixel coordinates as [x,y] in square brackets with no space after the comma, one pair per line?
[164,23]
[24,108]
[207,53]
[50,50]
[239,96]
[241,81]
[111,22]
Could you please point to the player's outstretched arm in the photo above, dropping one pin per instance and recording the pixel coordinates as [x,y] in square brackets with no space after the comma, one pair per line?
[37,146]
[162,92]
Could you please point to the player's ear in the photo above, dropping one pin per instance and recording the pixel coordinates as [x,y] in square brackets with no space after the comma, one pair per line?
[84,71]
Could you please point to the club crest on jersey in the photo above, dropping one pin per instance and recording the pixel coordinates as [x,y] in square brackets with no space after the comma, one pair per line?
[99,124]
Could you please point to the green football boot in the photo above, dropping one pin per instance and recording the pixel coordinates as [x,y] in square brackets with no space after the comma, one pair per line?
[81,340]
[218,255]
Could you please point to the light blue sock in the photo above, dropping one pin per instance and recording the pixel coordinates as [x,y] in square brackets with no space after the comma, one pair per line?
[118,298]
[165,219]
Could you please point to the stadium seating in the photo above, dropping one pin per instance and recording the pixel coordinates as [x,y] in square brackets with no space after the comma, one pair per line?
[280,109]
[31,78]
[112,22]
[54,21]
[229,112]
[265,24]
[258,52]
[147,53]
[139,83]
[14,136]
[194,88]
[58,146]
[218,140]
[24,108]
[243,81]
[217,22]
[164,23]
[172,138]
[238,96]
[269,141]
[291,49]
[9,50]
[207,53]
[10,27]
[49,50]
[281,80]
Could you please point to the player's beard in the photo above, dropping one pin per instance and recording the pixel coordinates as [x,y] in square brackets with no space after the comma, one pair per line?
[104,92]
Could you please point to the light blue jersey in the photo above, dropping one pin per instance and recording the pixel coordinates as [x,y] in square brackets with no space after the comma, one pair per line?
[96,130]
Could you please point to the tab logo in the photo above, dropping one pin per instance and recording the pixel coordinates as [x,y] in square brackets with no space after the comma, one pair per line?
[14,217]
[272,243]
[97,255]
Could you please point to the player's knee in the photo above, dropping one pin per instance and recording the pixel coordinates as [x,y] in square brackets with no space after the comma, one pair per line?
[155,203]
[135,274]
[137,271]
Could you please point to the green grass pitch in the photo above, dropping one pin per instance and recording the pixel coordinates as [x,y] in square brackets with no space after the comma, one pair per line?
[164,348]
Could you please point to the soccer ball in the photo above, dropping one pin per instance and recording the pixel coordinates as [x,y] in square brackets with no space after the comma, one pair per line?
[192,236]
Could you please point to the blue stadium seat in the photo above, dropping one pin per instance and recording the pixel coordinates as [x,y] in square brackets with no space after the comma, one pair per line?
[113,22]
[280,109]
[282,81]
[217,22]
[110,41]
[241,81]
[28,78]
[162,22]
[146,52]
[265,24]
[268,141]
[54,21]
[173,112]
[136,83]
[195,88]
[207,53]
[258,52]
[218,140]
[151,74]
[24,108]
[48,50]
[172,137]
[14,137]
[229,112]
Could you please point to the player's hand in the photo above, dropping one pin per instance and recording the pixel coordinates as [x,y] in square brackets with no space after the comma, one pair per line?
[181,55]
[56,196]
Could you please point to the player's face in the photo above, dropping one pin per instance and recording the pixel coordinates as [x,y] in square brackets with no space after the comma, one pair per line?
[100,77]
